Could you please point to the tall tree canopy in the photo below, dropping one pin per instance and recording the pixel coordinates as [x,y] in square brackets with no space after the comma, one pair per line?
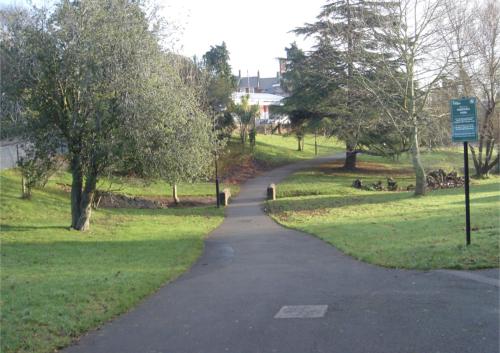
[222,82]
[95,79]
[325,81]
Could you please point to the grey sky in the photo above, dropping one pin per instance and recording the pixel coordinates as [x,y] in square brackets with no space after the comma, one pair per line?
[256,31]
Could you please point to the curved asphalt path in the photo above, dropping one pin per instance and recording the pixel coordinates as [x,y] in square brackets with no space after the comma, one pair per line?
[252,267]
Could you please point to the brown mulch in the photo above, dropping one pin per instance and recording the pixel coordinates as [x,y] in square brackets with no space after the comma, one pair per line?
[240,172]
[110,200]
[369,168]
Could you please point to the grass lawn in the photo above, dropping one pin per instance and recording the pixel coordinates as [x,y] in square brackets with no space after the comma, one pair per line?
[56,284]
[394,229]
[275,150]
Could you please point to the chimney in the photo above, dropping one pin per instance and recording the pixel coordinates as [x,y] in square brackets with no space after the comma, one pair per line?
[258,79]
[248,82]
[239,74]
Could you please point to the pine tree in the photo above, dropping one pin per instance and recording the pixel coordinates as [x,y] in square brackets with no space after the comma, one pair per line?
[346,48]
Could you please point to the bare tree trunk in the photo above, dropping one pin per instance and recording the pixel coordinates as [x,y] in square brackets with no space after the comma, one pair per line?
[350,156]
[299,146]
[25,189]
[420,182]
[316,142]
[174,194]
[87,197]
[76,190]
[483,157]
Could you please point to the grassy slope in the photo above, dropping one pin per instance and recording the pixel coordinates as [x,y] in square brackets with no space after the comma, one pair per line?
[274,150]
[56,283]
[394,229]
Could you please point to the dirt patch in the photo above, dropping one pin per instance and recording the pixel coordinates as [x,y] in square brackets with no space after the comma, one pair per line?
[245,169]
[367,168]
[110,200]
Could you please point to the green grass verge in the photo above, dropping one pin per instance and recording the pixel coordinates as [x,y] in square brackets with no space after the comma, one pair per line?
[394,229]
[275,150]
[56,284]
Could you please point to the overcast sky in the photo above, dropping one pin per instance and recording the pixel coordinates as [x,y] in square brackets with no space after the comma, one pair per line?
[256,32]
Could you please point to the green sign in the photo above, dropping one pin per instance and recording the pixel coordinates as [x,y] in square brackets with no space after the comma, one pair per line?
[463,120]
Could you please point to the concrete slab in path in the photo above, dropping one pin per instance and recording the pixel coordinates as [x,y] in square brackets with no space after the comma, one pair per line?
[252,268]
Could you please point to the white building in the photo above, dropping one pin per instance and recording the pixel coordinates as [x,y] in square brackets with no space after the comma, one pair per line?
[264,100]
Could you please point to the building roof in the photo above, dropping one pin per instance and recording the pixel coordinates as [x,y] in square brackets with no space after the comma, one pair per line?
[258,98]
[266,84]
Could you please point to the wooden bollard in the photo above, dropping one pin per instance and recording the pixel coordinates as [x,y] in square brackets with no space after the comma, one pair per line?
[271,192]
[224,197]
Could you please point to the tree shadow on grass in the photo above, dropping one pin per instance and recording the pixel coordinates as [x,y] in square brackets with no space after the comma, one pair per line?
[315,202]
[88,281]
[174,211]
[419,243]
[485,199]
[15,228]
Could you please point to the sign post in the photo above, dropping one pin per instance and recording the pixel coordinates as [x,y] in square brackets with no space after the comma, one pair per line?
[464,129]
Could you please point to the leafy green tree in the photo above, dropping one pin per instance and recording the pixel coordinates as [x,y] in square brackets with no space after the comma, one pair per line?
[246,114]
[221,84]
[221,80]
[98,81]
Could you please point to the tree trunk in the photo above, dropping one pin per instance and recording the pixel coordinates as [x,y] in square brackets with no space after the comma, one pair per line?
[350,156]
[76,190]
[350,160]
[174,194]
[299,146]
[25,189]
[87,197]
[315,142]
[420,183]
[483,157]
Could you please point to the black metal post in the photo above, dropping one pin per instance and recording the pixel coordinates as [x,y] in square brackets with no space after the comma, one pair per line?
[217,183]
[467,200]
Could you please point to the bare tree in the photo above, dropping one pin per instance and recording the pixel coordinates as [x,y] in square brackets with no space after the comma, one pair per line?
[412,71]
[473,41]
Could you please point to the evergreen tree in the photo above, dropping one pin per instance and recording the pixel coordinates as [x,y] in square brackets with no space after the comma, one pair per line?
[325,82]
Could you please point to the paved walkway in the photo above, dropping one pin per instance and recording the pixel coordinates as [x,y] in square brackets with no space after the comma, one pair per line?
[252,267]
